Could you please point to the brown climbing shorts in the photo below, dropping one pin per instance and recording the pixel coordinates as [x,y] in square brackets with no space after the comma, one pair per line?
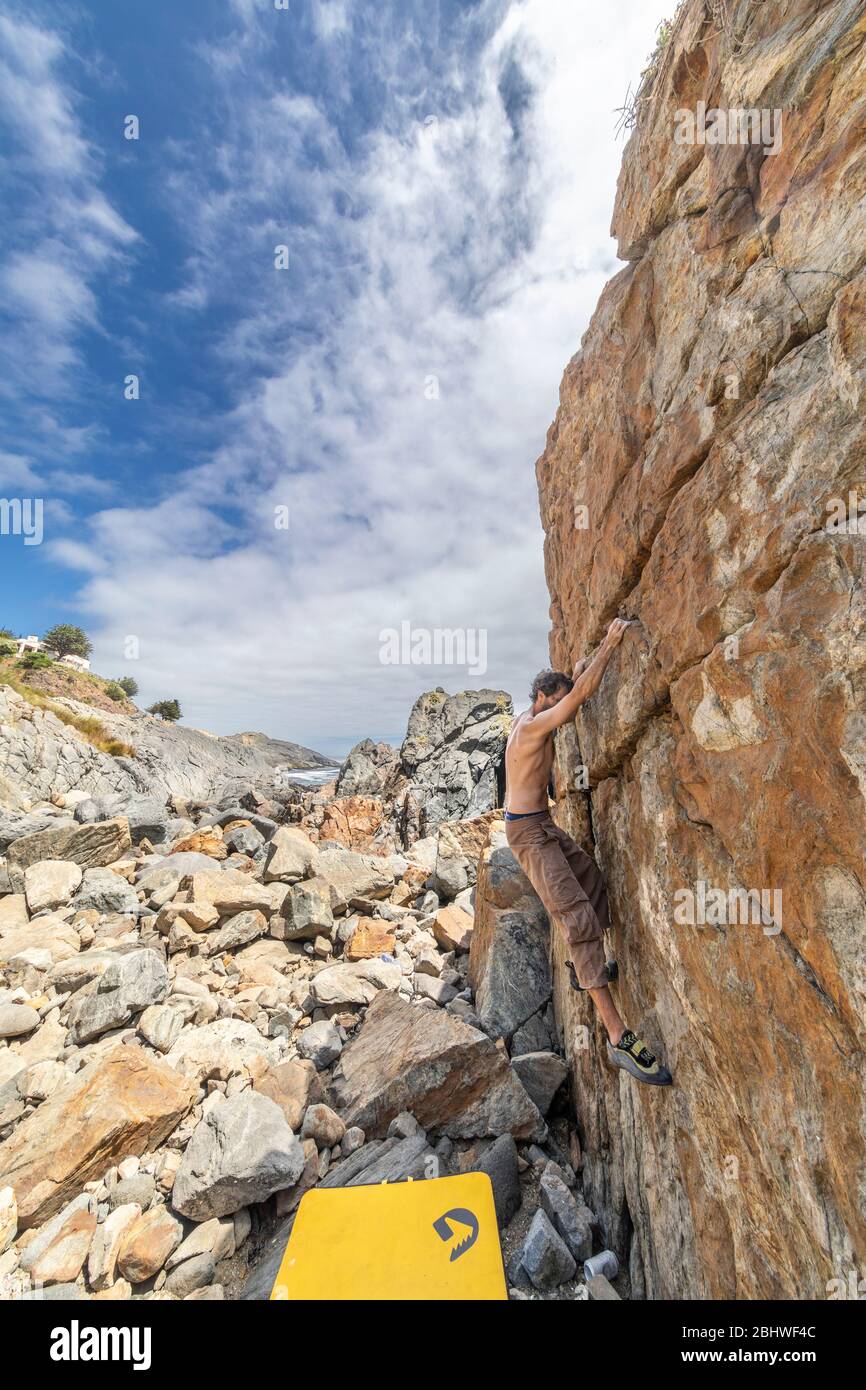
[570,886]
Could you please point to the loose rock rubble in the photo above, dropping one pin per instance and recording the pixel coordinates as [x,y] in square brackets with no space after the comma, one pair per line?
[204,1012]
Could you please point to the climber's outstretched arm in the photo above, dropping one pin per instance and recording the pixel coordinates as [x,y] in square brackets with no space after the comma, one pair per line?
[586,684]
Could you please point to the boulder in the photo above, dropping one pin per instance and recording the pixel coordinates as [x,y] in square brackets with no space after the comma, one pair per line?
[369,939]
[193,1276]
[509,968]
[293,1085]
[244,839]
[127,986]
[161,1025]
[146,1244]
[323,1125]
[215,1238]
[542,1074]
[354,821]
[56,1253]
[102,890]
[451,1077]
[571,1221]
[545,1257]
[320,1044]
[711,426]
[307,911]
[49,884]
[13,912]
[238,931]
[452,753]
[219,1050]
[105,1245]
[452,928]
[53,934]
[459,845]
[535,1035]
[17,1019]
[229,892]
[355,982]
[89,846]
[352,875]
[291,855]
[241,1152]
[370,770]
[137,1190]
[499,1161]
[122,1103]
[206,842]
[71,973]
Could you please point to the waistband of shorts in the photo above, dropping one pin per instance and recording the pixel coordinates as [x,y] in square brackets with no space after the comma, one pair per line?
[524,815]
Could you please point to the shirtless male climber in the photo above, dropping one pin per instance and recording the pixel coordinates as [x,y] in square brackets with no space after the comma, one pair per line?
[567,880]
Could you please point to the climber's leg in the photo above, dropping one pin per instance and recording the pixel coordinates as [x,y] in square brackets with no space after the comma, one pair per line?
[608,1012]
[588,877]
[571,887]
[555,866]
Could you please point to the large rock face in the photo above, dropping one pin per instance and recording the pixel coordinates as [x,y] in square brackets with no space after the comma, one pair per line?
[451,1077]
[449,767]
[41,756]
[509,956]
[712,428]
[452,751]
[119,1105]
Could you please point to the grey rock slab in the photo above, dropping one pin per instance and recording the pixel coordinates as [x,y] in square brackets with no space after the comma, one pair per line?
[241,1152]
[499,1161]
[542,1074]
[545,1257]
[128,985]
[569,1220]
[17,1019]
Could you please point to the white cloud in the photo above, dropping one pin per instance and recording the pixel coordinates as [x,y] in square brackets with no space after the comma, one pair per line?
[68,234]
[471,249]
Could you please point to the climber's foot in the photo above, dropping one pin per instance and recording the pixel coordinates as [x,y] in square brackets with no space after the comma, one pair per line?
[633,1055]
[611,971]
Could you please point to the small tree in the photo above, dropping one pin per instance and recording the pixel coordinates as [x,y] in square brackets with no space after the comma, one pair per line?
[66,640]
[128,685]
[166,709]
[115,691]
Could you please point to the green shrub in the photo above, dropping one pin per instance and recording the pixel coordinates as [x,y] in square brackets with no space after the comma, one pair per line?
[128,685]
[166,709]
[115,691]
[67,640]
[35,661]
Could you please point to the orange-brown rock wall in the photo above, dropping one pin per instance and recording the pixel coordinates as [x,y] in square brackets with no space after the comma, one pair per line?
[711,426]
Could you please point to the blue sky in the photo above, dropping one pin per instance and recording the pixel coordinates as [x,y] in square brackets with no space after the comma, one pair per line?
[442,176]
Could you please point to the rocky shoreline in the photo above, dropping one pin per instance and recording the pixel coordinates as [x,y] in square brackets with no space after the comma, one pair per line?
[209,1006]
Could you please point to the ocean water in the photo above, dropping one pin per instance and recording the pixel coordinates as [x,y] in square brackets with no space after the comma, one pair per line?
[310,777]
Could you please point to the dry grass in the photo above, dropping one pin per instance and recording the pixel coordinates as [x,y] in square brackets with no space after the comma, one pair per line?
[88,726]
[635,100]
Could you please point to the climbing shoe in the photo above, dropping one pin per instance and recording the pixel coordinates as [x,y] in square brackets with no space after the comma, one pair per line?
[633,1055]
[611,971]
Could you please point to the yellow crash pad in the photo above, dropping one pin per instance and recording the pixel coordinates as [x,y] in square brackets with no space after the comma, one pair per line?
[434,1239]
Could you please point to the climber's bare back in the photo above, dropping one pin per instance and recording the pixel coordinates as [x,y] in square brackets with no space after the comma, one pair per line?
[528,760]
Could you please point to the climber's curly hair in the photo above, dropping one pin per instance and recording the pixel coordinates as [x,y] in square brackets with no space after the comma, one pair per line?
[548,682]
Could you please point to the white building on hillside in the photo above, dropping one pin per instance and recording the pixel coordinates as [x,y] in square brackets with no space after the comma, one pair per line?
[33,644]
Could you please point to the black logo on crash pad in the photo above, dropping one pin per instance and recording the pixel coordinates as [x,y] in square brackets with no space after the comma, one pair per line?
[463,1217]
